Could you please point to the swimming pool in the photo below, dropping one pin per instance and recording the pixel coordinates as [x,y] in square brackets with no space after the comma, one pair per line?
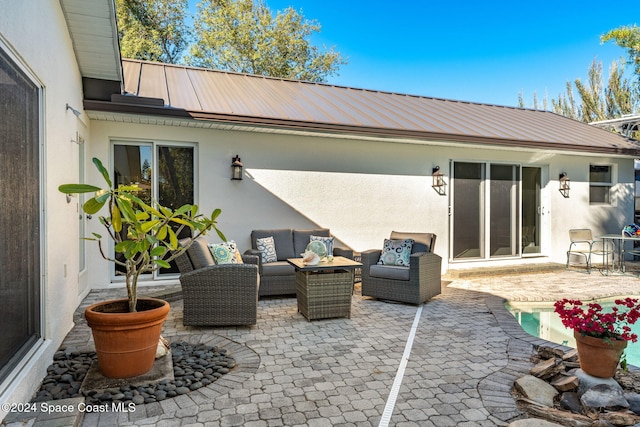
[539,320]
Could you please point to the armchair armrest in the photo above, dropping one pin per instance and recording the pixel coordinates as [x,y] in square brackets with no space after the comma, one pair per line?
[251,259]
[229,278]
[347,253]
[254,253]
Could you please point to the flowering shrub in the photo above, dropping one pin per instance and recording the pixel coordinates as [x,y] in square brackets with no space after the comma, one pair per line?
[593,322]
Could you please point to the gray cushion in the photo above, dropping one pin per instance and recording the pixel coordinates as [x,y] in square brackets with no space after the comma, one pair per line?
[301,238]
[422,242]
[200,254]
[280,268]
[392,272]
[282,238]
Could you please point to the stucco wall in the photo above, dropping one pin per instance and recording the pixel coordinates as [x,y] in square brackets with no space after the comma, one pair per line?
[35,34]
[363,189]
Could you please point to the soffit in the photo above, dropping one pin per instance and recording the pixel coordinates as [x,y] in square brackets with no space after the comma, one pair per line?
[94,34]
[256,100]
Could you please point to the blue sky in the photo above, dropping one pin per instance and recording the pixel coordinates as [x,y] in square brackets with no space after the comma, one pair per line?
[466,50]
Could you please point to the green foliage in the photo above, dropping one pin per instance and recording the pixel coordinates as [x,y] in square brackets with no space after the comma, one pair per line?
[152,30]
[243,36]
[145,234]
[627,37]
[595,100]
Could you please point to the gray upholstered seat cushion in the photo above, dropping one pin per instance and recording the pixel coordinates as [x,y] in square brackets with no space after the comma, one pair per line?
[280,268]
[392,272]
[301,238]
[200,255]
[282,238]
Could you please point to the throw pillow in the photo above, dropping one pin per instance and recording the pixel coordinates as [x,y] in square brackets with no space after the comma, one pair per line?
[225,253]
[267,248]
[328,243]
[396,252]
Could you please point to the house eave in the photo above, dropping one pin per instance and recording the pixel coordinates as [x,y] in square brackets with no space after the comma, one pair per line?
[344,130]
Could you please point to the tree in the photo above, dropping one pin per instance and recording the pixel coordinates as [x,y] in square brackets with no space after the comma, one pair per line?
[597,101]
[243,36]
[627,37]
[153,30]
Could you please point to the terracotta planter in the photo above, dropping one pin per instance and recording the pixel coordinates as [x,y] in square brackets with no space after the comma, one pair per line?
[599,358]
[126,342]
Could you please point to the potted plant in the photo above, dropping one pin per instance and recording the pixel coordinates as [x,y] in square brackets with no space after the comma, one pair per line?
[145,237]
[601,336]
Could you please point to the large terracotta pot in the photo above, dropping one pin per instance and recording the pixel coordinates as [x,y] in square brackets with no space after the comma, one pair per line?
[599,358]
[126,342]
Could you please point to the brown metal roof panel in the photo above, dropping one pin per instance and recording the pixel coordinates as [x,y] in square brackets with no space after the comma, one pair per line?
[153,82]
[131,72]
[181,91]
[340,108]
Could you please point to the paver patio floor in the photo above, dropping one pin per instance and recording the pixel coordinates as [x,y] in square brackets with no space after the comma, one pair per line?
[466,352]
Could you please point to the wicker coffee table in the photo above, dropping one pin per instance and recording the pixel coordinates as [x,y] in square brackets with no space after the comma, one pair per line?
[324,290]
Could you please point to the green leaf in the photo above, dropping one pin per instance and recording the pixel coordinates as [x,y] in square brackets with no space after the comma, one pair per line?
[162,233]
[122,246]
[158,251]
[92,206]
[78,188]
[173,240]
[103,171]
[126,209]
[183,209]
[183,222]
[162,263]
[220,234]
[215,214]
[98,236]
[116,219]
[148,225]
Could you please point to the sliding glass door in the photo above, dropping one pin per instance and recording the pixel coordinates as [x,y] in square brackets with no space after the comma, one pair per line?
[164,172]
[487,210]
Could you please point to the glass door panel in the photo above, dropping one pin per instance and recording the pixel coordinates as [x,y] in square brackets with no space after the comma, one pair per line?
[175,185]
[468,212]
[503,211]
[531,210]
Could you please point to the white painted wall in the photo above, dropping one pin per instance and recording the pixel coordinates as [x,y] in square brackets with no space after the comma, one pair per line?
[362,189]
[35,33]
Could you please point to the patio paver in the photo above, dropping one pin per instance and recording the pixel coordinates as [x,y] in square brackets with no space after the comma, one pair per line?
[466,353]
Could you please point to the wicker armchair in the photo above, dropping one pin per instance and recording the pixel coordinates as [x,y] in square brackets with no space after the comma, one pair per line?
[414,284]
[217,295]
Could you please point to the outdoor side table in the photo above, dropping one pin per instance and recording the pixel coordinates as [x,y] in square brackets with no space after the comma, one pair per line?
[324,290]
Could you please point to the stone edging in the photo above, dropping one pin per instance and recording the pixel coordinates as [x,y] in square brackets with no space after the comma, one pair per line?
[248,362]
[495,389]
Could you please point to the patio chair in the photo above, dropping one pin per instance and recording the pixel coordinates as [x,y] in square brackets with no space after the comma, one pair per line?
[217,295]
[413,284]
[583,247]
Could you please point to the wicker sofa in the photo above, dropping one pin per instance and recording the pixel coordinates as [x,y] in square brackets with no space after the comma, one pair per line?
[278,278]
[217,295]
[414,284]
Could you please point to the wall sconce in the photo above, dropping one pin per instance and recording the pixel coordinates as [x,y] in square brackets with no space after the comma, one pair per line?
[73,110]
[565,184]
[438,183]
[236,168]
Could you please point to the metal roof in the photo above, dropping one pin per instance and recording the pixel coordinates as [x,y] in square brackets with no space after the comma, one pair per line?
[93,31]
[234,98]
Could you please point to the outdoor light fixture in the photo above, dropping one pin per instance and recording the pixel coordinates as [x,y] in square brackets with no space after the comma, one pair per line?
[565,184]
[236,168]
[438,183]
[73,110]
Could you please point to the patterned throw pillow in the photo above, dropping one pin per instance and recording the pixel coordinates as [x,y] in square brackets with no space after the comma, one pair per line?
[396,252]
[328,243]
[225,253]
[267,248]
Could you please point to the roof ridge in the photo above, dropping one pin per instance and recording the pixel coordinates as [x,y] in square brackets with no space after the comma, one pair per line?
[235,73]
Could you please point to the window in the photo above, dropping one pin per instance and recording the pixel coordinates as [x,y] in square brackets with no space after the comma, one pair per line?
[600,184]
[20,105]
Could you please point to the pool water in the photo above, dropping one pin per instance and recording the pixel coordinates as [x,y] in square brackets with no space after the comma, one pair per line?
[539,320]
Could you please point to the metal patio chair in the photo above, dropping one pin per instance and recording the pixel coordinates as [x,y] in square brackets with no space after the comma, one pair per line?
[584,247]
